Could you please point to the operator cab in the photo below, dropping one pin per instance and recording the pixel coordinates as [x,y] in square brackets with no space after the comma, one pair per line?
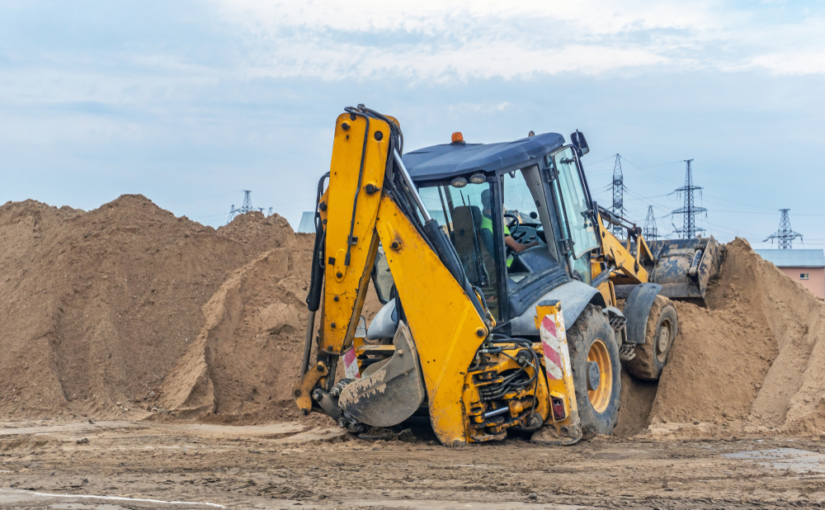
[531,190]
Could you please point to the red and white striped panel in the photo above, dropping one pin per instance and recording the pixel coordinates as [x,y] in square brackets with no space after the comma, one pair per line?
[551,344]
[351,365]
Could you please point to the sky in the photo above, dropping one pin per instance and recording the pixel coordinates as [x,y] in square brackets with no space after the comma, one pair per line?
[189,103]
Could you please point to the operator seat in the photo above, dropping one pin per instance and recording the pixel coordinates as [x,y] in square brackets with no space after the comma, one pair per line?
[468,241]
[486,236]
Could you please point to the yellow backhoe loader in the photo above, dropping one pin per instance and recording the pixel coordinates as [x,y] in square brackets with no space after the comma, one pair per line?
[508,302]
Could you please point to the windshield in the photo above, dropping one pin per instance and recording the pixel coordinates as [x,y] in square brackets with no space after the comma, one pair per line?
[466,218]
[578,218]
[518,201]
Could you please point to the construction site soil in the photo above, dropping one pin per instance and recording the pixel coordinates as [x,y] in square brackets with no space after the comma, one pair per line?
[129,313]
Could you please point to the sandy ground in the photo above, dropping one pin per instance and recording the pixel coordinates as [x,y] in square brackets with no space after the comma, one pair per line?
[136,465]
[127,312]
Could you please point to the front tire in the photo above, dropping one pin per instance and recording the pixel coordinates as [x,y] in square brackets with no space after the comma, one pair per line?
[590,340]
[662,328]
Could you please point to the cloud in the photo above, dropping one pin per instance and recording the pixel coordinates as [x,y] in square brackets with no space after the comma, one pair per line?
[444,41]
[195,98]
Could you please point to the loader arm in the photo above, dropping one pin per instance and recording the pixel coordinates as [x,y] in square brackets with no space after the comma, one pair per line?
[683,267]
[628,267]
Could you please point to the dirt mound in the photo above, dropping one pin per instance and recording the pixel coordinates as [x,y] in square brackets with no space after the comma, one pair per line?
[751,362]
[636,401]
[97,307]
[128,307]
[248,352]
[248,355]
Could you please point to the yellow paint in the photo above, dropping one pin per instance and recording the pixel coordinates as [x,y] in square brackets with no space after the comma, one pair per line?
[542,391]
[600,397]
[519,401]
[563,388]
[608,292]
[606,287]
[302,391]
[349,283]
[629,266]
[358,344]
[440,315]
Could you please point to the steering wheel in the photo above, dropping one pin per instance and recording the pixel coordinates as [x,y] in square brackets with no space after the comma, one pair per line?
[513,225]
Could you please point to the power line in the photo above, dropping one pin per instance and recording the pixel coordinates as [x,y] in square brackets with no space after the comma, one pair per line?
[246,207]
[689,210]
[630,198]
[591,163]
[618,194]
[232,213]
[784,236]
[649,230]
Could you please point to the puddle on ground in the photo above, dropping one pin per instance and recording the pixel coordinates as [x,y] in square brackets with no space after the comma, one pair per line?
[793,459]
[81,506]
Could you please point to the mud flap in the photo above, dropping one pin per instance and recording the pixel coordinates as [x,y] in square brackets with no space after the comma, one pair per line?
[564,430]
[392,393]
[637,309]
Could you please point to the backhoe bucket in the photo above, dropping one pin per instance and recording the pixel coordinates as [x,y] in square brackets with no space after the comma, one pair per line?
[685,266]
[392,393]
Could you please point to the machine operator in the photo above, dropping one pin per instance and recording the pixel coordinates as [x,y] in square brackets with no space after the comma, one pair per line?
[487,223]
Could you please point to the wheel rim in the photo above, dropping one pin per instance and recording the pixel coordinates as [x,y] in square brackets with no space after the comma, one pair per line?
[600,397]
[663,342]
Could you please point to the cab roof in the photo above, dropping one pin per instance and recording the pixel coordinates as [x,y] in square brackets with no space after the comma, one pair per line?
[446,161]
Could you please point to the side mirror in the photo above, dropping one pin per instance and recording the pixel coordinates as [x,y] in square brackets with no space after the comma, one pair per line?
[580,142]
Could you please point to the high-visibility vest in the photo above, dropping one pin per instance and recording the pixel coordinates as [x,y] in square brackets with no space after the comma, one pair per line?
[487,223]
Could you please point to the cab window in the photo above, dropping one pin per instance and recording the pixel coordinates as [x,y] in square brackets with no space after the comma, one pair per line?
[519,205]
[467,222]
[527,222]
[574,209]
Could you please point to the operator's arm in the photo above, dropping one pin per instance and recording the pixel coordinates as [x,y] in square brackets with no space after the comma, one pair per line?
[517,246]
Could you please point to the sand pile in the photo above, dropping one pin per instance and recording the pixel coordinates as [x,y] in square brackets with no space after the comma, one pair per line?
[96,308]
[247,356]
[752,362]
[254,322]
[129,307]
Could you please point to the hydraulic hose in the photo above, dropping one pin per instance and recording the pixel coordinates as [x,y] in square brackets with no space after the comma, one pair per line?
[317,273]
[316,282]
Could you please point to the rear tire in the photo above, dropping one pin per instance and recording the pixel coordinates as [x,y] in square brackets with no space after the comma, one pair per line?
[662,328]
[591,339]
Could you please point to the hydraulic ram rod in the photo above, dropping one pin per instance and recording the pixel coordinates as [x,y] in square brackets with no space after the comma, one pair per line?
[408,181]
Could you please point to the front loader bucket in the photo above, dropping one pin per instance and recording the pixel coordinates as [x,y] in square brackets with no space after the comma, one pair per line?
[685,266]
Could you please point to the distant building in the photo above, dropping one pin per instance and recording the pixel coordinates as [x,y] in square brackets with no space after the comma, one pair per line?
[804,266]
[307,225]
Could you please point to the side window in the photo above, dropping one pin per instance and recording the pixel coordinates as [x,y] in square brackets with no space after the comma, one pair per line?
[579,222]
